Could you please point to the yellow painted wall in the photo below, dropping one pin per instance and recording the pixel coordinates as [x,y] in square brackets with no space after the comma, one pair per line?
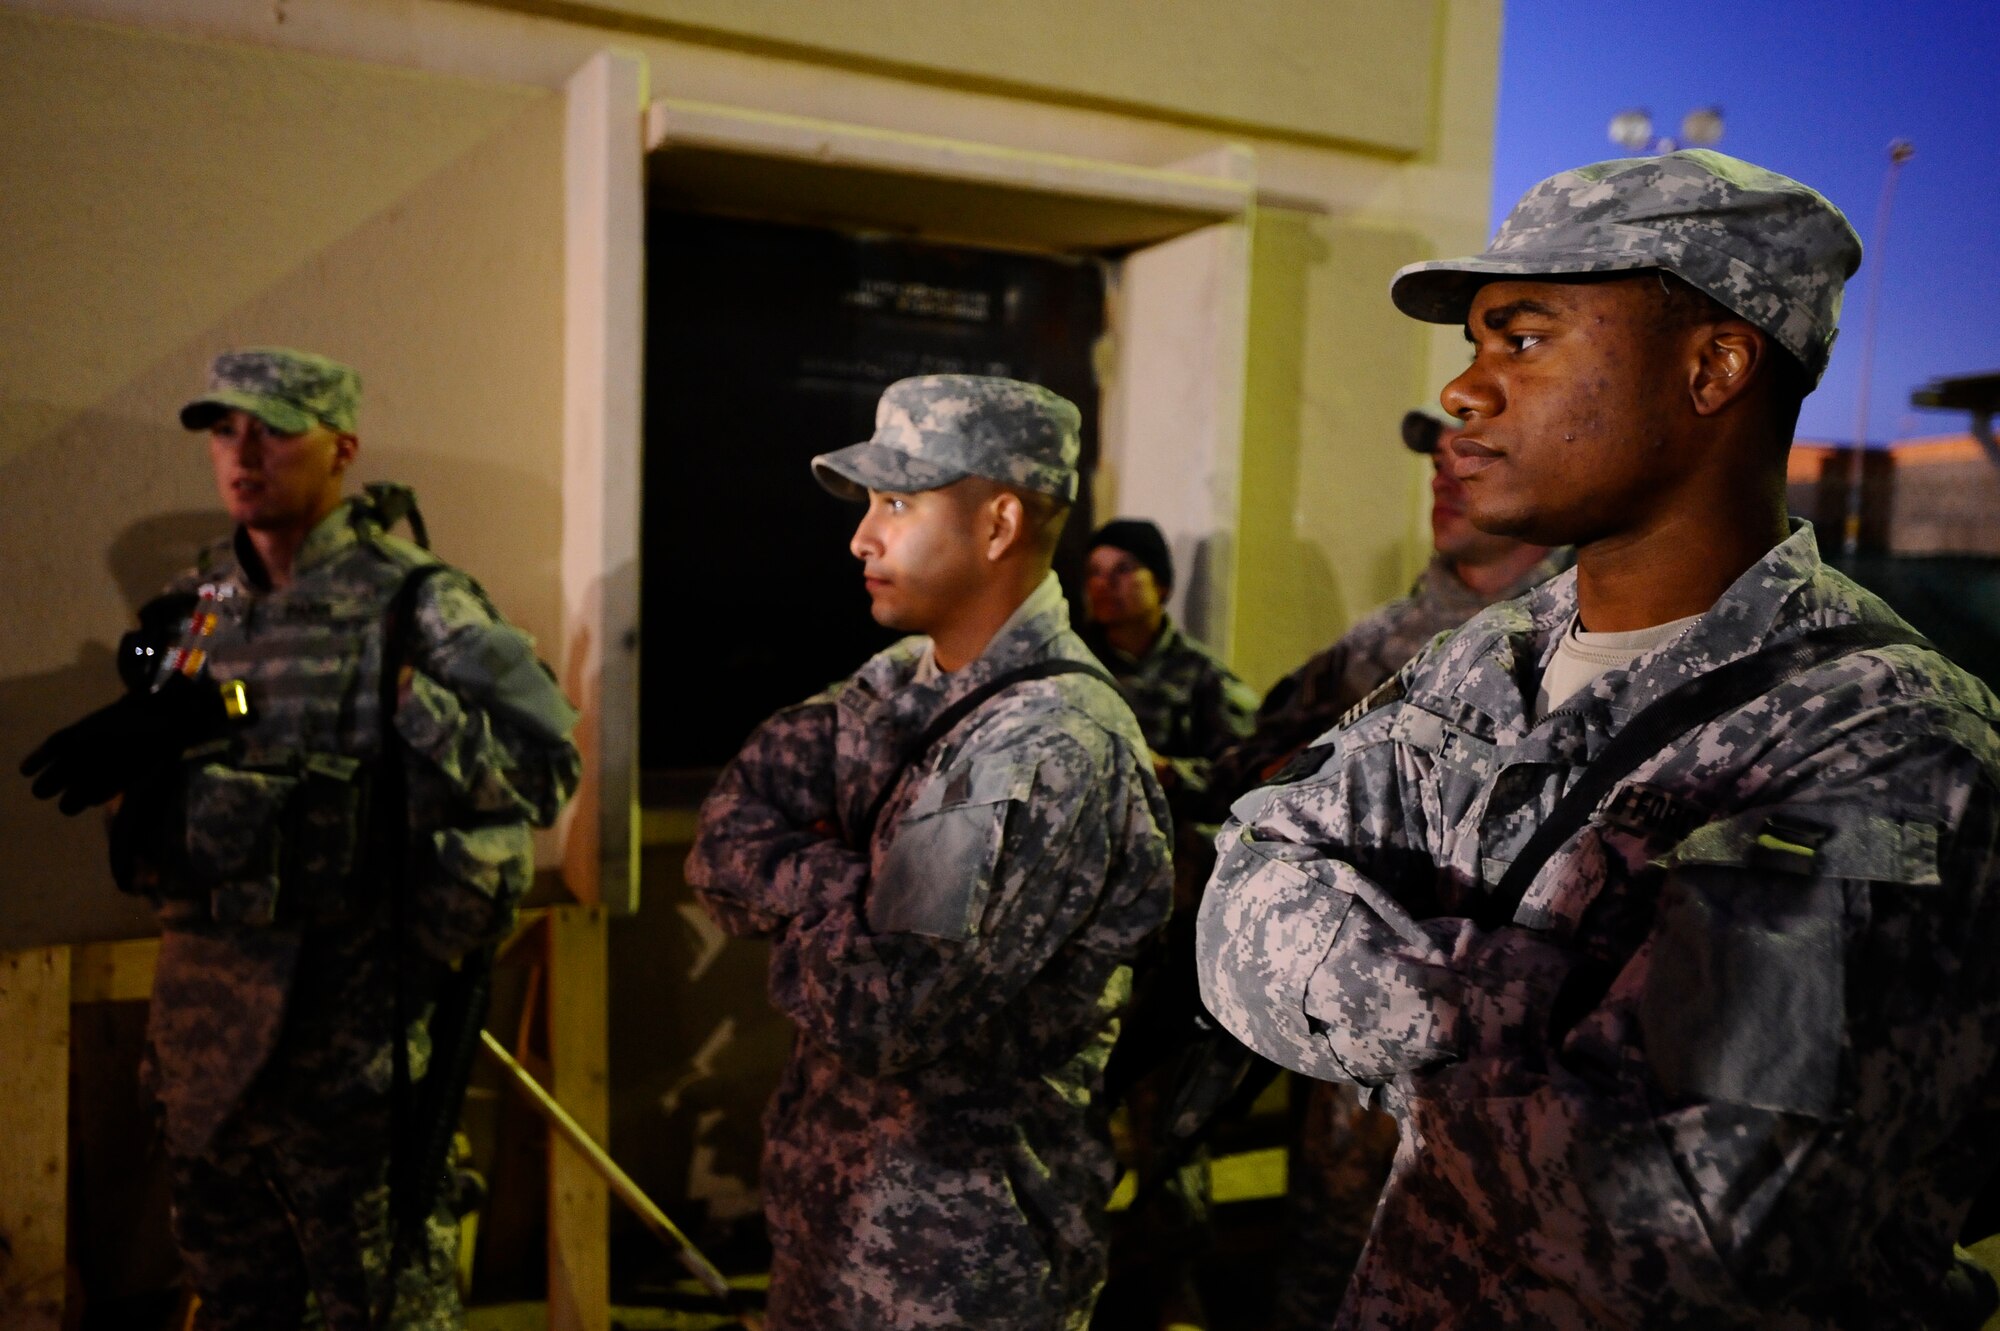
[165,199]
[1323,535]
[1331,509]
[1355,71]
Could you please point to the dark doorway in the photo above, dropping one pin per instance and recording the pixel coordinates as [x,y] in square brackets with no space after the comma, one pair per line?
[767,344]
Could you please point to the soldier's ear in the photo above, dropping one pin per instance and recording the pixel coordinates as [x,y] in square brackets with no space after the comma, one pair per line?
[1727,357]
[345,446]
[1007,525]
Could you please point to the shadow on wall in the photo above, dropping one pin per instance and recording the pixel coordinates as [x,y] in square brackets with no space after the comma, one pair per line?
[56,878]
[462,399]
[1194,565]
[606,740]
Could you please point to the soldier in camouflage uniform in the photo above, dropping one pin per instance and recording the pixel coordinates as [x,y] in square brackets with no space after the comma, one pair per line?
[1469,570]
[1729,1061]
[1190,706]
[270,842]
[952,931]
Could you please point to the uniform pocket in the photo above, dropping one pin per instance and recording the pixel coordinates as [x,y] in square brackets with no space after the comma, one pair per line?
[937,875]
[321,869]
[1745,994]
[236,834]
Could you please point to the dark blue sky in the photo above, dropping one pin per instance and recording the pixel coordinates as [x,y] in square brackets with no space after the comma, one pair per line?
[1815,89]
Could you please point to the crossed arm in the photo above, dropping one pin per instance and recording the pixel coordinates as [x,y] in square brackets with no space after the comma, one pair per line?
[990,883]
[1778,1061]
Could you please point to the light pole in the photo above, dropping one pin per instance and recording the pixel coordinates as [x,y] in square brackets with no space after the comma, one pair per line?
[1632,130]
[1900,151]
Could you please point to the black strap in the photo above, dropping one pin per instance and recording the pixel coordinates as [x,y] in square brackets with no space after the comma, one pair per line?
[1688,707]
[946,721]
[391,836]
[393,503]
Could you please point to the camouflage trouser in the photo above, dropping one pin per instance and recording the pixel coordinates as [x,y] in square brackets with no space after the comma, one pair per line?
[281,1207]
[1343,1158]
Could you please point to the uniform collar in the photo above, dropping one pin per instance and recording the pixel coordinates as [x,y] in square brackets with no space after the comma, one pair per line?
[1440,586]
[892,697]
[1036,620]
[330,536]
[910,665]
[1491,670]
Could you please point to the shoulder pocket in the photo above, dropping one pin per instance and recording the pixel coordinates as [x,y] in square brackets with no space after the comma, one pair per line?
[937,874]
[1745,996]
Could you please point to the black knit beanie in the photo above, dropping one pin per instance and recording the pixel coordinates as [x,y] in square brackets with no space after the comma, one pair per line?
[1143,541]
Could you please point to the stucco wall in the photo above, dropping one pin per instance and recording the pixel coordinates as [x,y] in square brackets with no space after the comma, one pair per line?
[165,199]
[1322,531]
[1359,72]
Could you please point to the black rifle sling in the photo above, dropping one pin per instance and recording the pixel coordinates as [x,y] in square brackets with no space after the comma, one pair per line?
[390,858]
[947,721]
[1684,709]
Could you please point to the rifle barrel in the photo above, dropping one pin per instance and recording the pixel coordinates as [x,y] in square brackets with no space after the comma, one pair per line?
[620,1182]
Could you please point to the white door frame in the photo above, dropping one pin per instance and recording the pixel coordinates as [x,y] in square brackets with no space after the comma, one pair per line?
[1173,381]
[603,369]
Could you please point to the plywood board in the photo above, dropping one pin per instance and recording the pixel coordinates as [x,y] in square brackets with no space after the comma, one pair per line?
[579,1206]
[34,1125]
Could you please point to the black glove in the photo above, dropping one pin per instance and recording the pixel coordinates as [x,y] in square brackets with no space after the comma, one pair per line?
[108,751]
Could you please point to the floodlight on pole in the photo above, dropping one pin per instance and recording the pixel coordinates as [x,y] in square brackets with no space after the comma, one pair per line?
[1632,130]
[1702,127]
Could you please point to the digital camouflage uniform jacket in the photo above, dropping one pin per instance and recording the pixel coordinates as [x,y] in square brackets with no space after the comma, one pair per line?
[1770,1090]
[305,1000]
[936,1154]
[1344,1149]
[1306,703]
[1189,705]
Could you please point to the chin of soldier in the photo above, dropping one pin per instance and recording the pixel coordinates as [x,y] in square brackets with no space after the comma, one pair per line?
[882,603]
[1495,511]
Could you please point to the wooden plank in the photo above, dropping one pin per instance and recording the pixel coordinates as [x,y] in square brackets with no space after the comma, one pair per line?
[579,1054]
[34,1125]
[113,972]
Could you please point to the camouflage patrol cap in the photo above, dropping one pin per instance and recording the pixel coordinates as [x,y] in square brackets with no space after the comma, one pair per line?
[939,428]
[1770,249]
[287,390]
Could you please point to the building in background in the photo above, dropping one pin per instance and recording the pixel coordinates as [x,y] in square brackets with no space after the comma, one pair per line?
[1924,495]
[1928,536]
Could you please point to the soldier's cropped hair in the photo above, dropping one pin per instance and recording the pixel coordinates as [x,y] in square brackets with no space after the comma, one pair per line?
[1046,517]
[1043,516]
